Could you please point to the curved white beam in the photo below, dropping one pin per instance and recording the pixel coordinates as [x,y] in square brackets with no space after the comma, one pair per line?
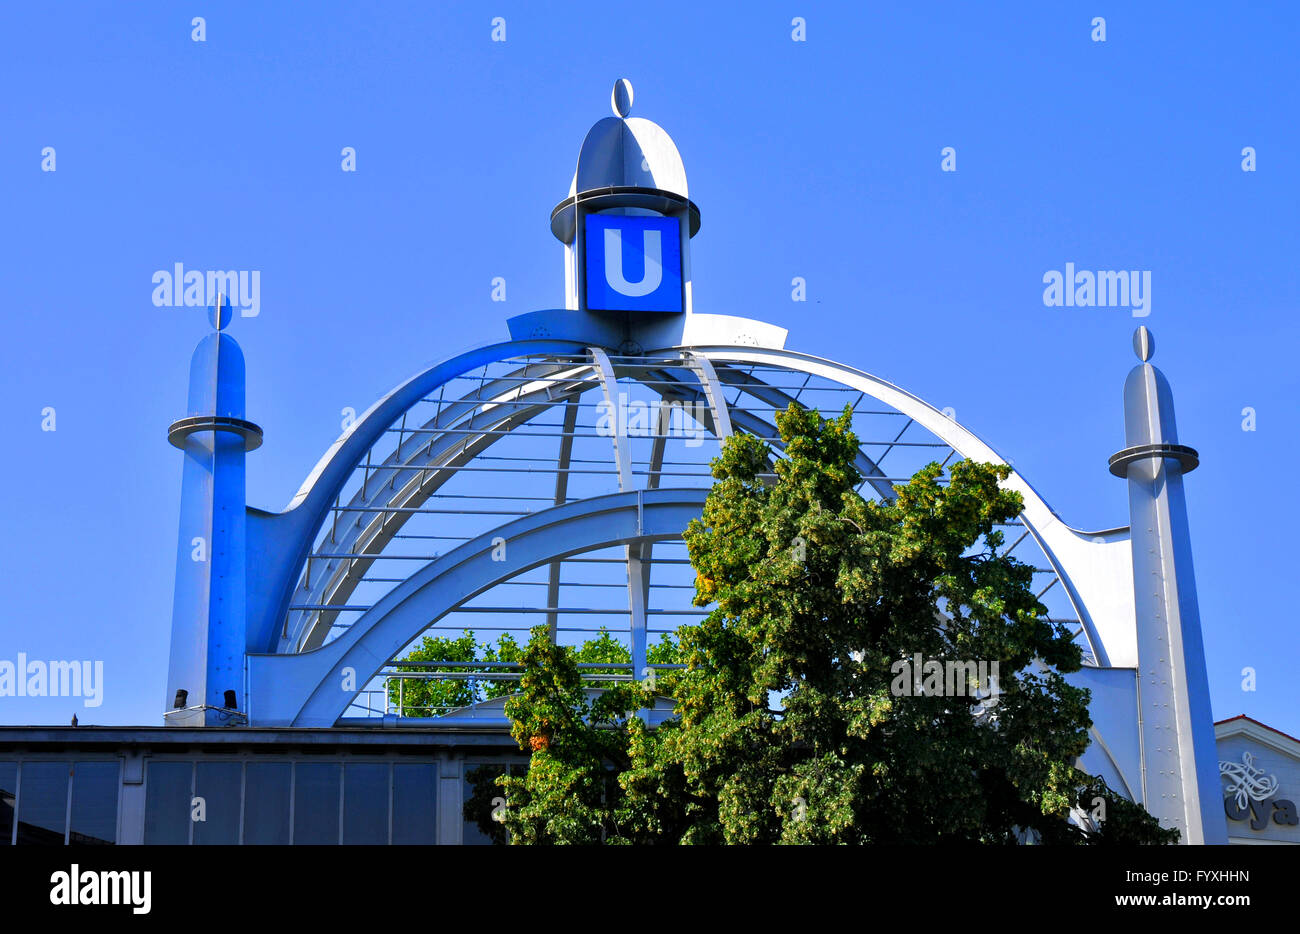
[713,393]
[622,446]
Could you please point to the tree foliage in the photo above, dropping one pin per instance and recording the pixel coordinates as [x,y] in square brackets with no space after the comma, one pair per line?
[434,697]
[556,707]
[790,726]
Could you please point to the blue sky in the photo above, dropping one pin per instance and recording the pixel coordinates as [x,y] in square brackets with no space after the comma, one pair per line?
[818,159]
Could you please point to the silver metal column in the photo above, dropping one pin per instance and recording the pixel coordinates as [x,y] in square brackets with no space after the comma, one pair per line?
[1180,777]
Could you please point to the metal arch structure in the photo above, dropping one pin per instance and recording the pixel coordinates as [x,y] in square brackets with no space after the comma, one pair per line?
[315,687]
[303,629]
[570,458]
[1062,545]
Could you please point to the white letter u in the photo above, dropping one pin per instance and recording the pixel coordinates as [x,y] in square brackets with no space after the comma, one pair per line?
[654,267]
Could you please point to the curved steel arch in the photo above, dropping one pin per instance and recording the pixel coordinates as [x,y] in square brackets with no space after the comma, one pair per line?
[778,399]
[279,543]
[430,449]
[1087,564]
[439,455]
[313,689]
[430,453]
[1086,567]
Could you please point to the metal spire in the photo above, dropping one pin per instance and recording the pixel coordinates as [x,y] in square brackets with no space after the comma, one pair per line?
[1179,771]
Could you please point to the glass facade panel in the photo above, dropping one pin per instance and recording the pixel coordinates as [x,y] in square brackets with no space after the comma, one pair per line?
[95,787]
[415,801]
[266,802]
[218,784]
[316,803]
[365,802]
[342,799]
[8,798]
[43,808]
[168,791]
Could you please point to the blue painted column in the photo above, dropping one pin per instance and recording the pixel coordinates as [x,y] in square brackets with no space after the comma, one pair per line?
[205,676]
[1179,763]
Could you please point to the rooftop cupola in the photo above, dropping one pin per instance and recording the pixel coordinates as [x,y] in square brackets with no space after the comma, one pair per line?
[627,222]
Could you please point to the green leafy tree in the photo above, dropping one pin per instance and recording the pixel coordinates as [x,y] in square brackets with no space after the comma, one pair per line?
[553,683]
[506,650]
[431,698]
[434,697]
[795,722]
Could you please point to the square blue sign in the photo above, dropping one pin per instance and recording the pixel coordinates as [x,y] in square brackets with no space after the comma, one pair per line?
[633,263]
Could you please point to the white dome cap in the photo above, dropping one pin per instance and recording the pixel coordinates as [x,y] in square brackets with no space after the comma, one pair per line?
[622,151]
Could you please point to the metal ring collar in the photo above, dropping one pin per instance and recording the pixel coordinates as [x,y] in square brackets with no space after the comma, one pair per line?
[1187,457]
[183,428]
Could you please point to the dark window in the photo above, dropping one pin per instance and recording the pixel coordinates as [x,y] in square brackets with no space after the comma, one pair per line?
[43,805]
[8,798]
[94,803]
[365,802]
[43,808]
[316,803]
[266,802]
[217,783]
[168,794]
[415,799]
[479,794]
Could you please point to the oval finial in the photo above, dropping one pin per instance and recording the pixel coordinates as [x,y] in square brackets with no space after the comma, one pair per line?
[621,99]
[1144,344]
[219,314]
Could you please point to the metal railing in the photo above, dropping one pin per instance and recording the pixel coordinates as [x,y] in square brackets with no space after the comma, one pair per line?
[368,705]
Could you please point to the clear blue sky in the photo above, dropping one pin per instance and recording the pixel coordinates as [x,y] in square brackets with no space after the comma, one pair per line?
[818,159]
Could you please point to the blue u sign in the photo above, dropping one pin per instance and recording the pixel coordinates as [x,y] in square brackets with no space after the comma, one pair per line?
[633,263]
